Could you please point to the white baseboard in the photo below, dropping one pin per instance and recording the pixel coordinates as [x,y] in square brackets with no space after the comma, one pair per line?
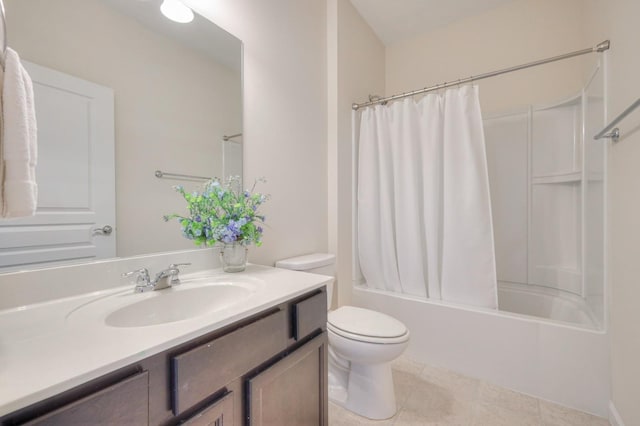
[614,416]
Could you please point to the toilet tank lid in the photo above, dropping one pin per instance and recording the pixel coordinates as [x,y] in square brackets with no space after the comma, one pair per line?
[306,262]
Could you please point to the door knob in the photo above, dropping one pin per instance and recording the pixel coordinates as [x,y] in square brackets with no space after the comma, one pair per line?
[105,230]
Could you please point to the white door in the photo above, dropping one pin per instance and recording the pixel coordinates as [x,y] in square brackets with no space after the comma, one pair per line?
[75,176]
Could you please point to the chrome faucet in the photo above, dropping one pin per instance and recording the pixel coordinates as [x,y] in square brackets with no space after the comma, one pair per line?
[168,277]
[164,279]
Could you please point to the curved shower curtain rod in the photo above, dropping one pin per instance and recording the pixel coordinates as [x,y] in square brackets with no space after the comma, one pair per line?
[600,47]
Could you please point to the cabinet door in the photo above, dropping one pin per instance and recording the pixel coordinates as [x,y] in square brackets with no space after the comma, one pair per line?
[125,403]
[220,413]
[293,391]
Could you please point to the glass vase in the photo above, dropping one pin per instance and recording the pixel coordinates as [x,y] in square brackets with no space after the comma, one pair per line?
[233,257]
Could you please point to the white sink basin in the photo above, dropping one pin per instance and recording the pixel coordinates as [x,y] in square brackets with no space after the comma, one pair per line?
[185,301]
[170,306]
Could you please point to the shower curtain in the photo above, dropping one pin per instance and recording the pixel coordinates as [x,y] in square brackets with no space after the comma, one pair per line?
[424,212]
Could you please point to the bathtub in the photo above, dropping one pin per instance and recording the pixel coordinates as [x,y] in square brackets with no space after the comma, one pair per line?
[547,303]
[562,357]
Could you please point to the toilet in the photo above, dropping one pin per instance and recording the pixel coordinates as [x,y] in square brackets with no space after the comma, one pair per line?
[362,344]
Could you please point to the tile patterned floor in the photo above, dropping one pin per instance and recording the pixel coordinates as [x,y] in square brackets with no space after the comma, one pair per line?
[431,396]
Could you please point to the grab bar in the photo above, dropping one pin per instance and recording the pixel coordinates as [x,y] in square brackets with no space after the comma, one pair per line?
[614,133]
[160,174]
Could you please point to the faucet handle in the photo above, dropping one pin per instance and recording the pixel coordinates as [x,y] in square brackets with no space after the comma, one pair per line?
[140,273]
[174,279]
[143,279]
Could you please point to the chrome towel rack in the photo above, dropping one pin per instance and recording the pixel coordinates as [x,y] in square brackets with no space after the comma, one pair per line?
[164,175]
[229,137]
[612,132]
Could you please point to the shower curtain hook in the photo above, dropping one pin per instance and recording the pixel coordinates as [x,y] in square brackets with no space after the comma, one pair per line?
[378,99]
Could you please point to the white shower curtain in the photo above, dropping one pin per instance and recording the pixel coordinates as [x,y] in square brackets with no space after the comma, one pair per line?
[424,212]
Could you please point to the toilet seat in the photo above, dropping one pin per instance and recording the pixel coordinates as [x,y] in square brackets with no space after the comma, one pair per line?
[367,326]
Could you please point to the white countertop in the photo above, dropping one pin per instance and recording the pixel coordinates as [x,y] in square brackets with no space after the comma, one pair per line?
[46,349]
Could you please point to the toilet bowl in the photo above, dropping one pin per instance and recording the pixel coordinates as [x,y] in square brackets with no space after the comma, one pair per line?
[362,344]
[369,341]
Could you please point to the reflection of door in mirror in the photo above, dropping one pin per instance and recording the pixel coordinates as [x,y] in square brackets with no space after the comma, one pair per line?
[76,183]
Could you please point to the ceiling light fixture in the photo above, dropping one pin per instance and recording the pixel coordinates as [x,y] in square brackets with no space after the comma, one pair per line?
[176,11]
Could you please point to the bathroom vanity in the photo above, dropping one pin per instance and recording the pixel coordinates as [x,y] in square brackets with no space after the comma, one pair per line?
[259,361]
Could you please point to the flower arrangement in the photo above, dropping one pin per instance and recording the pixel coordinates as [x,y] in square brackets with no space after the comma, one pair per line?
[222,213]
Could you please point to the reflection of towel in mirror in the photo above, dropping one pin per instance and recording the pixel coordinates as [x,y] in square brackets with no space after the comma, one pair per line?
[19,148]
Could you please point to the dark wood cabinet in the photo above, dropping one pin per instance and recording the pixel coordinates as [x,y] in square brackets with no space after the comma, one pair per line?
[291,392]
[269,369]
[309,315]
[199,372]
[218,413]
[124,403]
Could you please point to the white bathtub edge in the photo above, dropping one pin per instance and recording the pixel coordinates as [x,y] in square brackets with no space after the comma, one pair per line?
[486,311]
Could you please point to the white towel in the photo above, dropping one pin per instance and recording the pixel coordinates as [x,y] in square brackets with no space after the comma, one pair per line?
[19,144]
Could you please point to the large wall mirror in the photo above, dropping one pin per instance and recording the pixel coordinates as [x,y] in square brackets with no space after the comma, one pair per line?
[121,92]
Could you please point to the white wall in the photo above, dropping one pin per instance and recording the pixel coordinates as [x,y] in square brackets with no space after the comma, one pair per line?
[618,20]
[357,71]
[172,105]
[507,160]
[514,33]
[285,115]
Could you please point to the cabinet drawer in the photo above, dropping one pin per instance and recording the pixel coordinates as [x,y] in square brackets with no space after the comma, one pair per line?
[309,315]
[200,372]
[125,403]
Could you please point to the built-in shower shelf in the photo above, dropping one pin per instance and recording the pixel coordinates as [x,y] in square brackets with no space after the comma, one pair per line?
[566,177]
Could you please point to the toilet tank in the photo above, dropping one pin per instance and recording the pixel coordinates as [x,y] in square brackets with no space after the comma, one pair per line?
[315,263]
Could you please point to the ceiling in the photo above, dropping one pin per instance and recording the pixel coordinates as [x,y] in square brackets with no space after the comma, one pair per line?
[397,20]
[200,34]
